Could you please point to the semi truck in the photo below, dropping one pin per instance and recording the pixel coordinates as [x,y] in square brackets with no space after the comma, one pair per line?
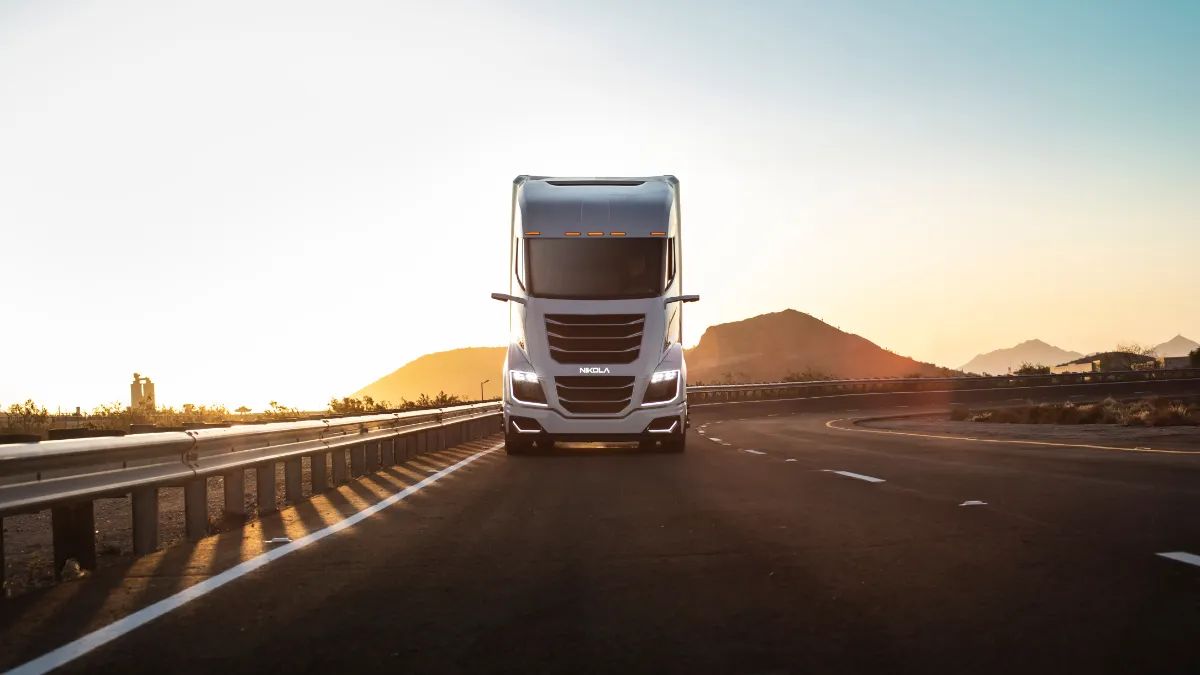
[595,314]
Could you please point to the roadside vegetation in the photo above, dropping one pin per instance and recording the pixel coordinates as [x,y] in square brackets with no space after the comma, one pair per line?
[34,419]
[1157,412]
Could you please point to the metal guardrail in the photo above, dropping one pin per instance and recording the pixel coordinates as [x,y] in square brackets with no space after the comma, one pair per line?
[67,475]
[717,393]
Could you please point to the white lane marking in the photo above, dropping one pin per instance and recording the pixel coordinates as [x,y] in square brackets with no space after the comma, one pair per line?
[859,476]
[773,415]
[727,444]
[714,439]
[756,452]
[701,432]
[852,410]
[973,502]
[1189,558]
[73,650]
[901,406]
[1016,399]
[790,459]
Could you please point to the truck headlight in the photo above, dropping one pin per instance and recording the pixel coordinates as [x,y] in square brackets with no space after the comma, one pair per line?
[526,388]
[663,387]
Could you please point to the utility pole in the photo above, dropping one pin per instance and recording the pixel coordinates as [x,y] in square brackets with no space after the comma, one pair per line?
[481,389]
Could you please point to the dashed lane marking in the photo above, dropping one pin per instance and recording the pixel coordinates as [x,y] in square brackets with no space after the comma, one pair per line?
[1183,557]
[832,424]
[714,439]
[756,452]
[848,474]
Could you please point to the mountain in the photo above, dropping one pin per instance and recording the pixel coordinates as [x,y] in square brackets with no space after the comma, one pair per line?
[458,371]
[1030,351]
[770,346]
[1176,346]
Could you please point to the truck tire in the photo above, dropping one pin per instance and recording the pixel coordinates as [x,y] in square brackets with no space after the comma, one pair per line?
[515,445]
[675,445]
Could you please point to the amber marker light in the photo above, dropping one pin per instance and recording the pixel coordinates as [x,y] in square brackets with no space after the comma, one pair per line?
[532,234]
[572,234]
[617,234]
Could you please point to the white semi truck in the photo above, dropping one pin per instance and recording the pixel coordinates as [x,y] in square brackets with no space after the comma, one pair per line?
[595,313]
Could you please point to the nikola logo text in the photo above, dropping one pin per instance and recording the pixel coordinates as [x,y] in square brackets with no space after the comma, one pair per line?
[594,370]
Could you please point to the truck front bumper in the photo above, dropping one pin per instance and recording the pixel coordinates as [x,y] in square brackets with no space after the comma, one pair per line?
[642,423]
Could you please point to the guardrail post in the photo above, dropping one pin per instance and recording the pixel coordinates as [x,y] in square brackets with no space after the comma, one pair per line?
[293,478]
[195,508]
[373,453]
[73,530]
[422,442]
[234,483]
[264,479]
[410,446]
[145,520]
[2,568]
[358,460]
[387,452]
[317,473]
[339,465]
[439,437]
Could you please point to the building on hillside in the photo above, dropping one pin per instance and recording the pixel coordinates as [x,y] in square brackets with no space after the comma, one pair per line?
[1174,362]
[1107,362]
[1077,366]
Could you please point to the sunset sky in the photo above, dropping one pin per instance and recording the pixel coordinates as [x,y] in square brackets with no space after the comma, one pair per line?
[250,201]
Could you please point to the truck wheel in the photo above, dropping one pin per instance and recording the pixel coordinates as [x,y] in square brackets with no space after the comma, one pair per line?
[515,445]
[675,445]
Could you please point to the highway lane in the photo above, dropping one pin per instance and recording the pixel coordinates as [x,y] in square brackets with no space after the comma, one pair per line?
[720,560]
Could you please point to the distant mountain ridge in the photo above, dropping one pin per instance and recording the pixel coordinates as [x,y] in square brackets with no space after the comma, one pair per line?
[1176,346]
[770,346]
[1000,361]
[767,347]
[457,371]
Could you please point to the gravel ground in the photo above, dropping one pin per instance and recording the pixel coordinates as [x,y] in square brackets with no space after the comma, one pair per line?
[29,553]
[1165,438]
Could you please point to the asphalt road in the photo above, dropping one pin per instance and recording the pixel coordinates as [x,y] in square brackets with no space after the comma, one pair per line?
[721,560]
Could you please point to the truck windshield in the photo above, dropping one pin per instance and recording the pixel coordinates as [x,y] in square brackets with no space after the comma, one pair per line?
[596,269]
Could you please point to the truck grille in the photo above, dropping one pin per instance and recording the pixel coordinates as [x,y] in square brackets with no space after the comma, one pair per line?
[595,394]
[598,339]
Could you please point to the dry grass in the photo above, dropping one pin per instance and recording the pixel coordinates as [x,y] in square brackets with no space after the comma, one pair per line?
[1158,412]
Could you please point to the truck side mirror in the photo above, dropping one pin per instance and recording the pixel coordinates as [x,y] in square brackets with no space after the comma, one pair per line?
[505,297]
[674,298]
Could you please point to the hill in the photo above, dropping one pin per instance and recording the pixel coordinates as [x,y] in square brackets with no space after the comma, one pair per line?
[1031,351]
[458,371]
[1176,346]
[770,346]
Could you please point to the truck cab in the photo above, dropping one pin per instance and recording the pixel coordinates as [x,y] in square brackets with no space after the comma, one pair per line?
[595,313]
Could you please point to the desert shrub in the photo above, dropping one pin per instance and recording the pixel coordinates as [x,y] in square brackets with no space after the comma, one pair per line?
[1173,415]
[1032,369]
